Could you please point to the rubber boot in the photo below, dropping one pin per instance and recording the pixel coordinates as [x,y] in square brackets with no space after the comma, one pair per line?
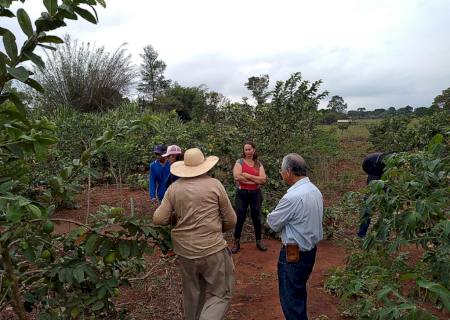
[260,245]
[236,246]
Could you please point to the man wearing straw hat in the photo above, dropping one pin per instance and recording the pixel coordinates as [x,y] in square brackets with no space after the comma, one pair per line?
[200,211]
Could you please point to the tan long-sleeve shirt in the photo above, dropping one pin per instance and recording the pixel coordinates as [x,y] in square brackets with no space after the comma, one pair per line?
[202,211]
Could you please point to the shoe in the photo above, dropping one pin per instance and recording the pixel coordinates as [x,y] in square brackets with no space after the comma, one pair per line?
[236,246]
[168,254]
[260,245]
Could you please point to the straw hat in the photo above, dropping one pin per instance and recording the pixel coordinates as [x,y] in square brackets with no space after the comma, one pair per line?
[194,164]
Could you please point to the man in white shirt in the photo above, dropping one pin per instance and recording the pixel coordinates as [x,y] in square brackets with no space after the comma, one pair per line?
[298,216]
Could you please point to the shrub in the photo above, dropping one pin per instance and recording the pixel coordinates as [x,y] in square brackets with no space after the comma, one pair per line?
[85,78]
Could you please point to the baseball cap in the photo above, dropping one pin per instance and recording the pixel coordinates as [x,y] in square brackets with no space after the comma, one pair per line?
[173,149]
[160,149]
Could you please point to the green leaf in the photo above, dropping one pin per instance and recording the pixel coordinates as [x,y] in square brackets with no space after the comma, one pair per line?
[23,201]
[67,7]
[27,138]
[124,249]
[445,226]
[90,273]
[40,149]
[20,107]
[78,275]
[9,41]
[51,6]
[97,306]
[65,275]
[29,254]
[56,184]
[95,12]
[85,14]
[50,210]
[66,172]
[91,244]
[50,39]
[25,22]
[2,65]
[47,24]
[85,156]
[14,213]
[4,31]
[383,293]
[6,186]
[408,276]
[437,139]
[19,73]
[412,218]
[34,84]
[44,316]
[37,60]
[35,211]
[6,13]
[47,47]
[441,291]
[101,293]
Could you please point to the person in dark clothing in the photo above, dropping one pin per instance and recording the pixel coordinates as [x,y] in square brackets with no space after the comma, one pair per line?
[373,165]
[173,154]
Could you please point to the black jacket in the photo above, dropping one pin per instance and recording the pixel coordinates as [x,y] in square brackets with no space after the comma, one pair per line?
[373,165]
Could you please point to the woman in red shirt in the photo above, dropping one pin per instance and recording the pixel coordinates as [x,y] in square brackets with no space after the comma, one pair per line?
[249,174]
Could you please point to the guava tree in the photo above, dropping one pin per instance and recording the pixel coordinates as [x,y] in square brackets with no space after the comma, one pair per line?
[56,275]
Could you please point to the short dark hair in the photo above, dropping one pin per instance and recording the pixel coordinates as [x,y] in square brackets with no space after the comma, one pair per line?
[295,163]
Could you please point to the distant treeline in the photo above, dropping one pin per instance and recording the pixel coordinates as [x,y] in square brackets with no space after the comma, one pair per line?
[330,116]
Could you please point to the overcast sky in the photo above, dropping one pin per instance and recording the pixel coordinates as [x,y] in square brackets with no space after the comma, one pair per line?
[373,53]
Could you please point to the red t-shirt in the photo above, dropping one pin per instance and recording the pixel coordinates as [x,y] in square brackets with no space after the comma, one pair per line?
[250,170]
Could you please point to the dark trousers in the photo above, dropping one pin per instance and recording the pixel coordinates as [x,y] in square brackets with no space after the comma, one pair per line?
[292,278]
[364,220]
[245,198]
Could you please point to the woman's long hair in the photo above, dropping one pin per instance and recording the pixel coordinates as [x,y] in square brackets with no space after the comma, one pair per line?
[180,157]
[255,155]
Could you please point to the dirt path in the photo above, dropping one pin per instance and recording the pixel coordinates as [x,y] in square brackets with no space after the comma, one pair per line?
[256,295]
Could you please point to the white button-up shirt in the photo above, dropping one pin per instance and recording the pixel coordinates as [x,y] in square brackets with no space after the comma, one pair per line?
[299,215]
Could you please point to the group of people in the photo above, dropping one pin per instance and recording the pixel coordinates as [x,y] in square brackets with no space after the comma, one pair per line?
[160,177]
[199,210]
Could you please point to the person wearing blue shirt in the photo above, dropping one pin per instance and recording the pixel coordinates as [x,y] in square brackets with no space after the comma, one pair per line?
[159,172]
[298,216]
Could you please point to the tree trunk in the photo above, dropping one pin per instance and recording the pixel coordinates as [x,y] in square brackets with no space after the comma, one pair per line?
[16,302]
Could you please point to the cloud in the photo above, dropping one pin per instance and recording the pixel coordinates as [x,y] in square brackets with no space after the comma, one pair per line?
[372,53]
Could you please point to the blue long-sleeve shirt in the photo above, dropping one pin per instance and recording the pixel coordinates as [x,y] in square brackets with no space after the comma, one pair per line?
[157,180]
[299,215]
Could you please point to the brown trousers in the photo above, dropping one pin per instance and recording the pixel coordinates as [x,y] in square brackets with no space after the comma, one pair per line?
[208,285]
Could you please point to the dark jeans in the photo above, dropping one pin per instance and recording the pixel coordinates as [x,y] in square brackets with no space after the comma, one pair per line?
[365,221]
[292,278]
[243,199]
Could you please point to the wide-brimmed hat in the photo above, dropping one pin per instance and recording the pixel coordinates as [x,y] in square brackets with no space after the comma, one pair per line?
[173,149]
[194,164]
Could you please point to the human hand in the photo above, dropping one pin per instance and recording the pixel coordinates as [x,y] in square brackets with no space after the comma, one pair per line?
[155,201]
